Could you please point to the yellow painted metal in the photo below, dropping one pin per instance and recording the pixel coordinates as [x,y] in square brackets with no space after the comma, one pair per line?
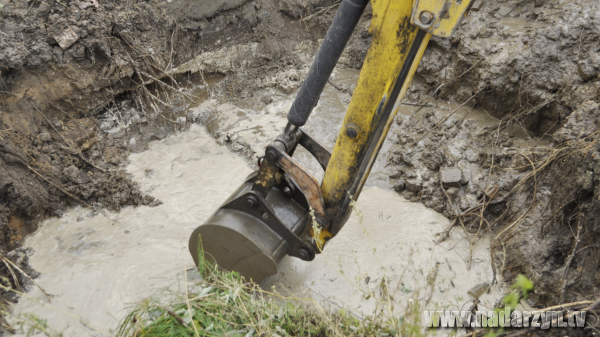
[445,14]
[412,71]
[321,237]
[393,36]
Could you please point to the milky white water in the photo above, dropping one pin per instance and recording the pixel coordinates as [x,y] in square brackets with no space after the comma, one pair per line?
[97,265]
[393,242]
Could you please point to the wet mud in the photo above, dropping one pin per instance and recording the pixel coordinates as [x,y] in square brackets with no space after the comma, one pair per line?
[531,65]
[498,130]
[83,84]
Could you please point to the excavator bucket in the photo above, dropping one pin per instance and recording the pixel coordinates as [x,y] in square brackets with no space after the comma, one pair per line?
[239,235]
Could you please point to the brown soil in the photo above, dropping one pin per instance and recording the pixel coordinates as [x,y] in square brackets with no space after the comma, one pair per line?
[534,66]
[56,100]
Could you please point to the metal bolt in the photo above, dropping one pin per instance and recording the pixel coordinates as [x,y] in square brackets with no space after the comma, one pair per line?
[272,155]
[251,201]
[287,191]
[352,130]
[303,253]
[426,17]
[265,215]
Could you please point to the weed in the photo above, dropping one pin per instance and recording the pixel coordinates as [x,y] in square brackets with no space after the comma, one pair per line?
[223,304]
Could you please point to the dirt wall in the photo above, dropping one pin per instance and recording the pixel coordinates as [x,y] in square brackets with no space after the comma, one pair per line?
[534,65]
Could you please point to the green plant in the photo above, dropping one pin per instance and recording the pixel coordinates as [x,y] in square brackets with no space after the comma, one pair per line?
[224,304]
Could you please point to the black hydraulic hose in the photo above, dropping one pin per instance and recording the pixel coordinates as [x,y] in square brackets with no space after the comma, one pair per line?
[329,53]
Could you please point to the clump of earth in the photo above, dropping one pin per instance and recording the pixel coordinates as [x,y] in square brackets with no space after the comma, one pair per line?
[82,84]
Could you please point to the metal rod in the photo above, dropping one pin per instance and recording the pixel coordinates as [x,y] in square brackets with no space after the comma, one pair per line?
[290,130]
[329,53]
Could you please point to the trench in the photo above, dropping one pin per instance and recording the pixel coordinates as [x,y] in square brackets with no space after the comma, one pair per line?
[95,265]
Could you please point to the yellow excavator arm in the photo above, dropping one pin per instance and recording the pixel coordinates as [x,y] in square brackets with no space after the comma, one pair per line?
[282,209]
[401,31]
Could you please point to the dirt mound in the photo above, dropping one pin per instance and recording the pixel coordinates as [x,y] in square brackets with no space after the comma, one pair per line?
[530,179]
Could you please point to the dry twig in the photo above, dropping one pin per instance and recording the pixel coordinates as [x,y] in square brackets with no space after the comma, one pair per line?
[7,260]
[570,259]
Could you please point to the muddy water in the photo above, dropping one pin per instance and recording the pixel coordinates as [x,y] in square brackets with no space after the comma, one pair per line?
[250,125]
[97,264]
[389,246]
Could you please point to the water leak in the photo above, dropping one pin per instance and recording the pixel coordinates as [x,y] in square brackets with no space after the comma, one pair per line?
[95,265]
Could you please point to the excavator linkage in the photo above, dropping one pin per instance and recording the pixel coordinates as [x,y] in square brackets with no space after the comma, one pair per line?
[282,209]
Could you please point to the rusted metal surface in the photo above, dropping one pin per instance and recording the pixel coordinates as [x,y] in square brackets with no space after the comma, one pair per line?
[307,183]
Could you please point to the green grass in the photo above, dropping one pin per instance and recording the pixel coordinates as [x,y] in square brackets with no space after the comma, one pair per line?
[223,304]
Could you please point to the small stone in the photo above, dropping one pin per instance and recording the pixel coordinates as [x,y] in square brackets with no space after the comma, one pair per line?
[564,31]
[476,6]
[553,34]
[181,120]
[451,177]
[503,11]
[44,137]
[586,180]
[485,33]
[43,9]
[452,191]
[466,177]
[400,186]
[586,70]
[64,35]
[72,173]
[57,124]
[263,15]
[249,14]
[478,290]
[127,232]
[84,5]
[267,99]
[414,185]
[396,175]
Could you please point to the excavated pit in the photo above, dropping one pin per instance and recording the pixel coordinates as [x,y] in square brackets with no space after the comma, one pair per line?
[393,240]
[87,87]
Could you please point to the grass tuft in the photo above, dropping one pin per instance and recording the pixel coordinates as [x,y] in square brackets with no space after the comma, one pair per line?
[224,304]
